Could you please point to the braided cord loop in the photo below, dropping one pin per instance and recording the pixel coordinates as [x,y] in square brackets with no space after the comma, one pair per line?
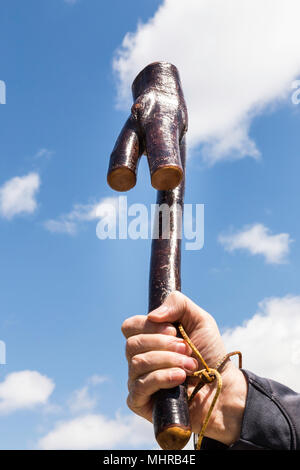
[207,375]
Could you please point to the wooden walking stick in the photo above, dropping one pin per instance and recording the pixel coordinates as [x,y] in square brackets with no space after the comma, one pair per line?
[157,127]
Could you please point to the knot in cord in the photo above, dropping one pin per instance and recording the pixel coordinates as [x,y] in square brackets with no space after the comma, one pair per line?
[207,375]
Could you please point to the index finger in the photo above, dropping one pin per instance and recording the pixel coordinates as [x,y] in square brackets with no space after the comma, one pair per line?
[140,324]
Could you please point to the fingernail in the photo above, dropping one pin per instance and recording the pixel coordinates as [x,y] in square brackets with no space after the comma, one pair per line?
[190,364]
[181,348]
[169,330]
[177,374]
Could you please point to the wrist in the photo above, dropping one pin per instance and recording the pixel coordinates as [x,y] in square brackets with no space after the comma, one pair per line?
[232,405]
[226,420]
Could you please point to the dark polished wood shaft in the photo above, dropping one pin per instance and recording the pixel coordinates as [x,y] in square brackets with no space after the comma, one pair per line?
[170,409]
[157,126]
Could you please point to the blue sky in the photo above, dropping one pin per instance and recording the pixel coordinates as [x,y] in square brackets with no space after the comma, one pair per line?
[65,294]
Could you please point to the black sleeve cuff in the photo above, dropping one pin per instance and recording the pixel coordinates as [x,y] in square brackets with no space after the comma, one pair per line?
[271,418]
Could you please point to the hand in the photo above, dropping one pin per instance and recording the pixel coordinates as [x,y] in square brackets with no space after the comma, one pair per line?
[158,359]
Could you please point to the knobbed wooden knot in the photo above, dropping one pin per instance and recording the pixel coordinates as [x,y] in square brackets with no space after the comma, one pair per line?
[156,127]
[207,375]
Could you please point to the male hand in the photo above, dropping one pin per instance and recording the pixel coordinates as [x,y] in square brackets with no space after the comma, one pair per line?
[158,359]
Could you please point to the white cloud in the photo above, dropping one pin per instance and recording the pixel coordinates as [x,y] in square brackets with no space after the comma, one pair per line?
[24,390]
[43,153]
[95,431]
[81,400]
[97,379]
[69,223]
[61,226]
[18,195]
[258,240]
[270,340]
[91,430]
[234,57]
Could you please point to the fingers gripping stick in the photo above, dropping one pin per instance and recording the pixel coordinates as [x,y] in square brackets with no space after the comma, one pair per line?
[157,127]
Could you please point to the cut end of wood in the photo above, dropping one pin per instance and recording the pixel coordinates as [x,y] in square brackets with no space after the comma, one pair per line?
[166,177]
[121,179]
[174,438]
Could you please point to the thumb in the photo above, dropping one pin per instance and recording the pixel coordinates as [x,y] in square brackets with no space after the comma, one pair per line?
[178,308]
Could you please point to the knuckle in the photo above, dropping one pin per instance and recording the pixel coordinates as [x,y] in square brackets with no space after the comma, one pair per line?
[137,390]
[162,377]
[169,330]
[137,362]
[125,326]
[176,296]
[129,402]
[135,108]
[131,346]
[169,376]
[129,324]
[127,349]
[177,300]
[209,318]
[139,386]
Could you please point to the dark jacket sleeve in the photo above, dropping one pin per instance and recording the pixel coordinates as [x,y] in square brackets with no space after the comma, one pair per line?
[271,419]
